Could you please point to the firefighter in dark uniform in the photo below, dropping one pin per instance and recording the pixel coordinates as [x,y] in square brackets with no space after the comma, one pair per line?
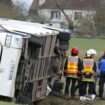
[88,73]
[72,69]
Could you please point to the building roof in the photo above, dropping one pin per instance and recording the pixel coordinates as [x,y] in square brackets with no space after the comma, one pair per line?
[71,4]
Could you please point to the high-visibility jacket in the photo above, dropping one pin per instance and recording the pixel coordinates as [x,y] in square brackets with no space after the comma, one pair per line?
[72,66]
[88,72]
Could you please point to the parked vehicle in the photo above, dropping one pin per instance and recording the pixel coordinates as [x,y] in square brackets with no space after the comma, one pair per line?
[31,58]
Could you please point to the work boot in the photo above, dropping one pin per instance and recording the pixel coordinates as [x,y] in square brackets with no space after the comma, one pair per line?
[67,96]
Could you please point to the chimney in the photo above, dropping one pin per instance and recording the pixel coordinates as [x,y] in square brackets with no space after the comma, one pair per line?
[41,2]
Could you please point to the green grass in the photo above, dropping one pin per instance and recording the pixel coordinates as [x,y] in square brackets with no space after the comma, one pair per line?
[84,44]
[7,103]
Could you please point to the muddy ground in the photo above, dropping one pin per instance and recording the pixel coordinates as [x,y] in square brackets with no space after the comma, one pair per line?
[55,100]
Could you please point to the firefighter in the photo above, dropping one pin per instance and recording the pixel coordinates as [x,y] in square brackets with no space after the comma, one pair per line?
[72,69]
[88,74]
[101,67]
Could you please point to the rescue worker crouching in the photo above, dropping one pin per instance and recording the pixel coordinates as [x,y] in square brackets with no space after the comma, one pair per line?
[88,74]
[72,68]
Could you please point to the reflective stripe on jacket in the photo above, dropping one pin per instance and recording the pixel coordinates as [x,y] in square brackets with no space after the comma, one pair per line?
[88,80]
[72,66]
[88,73]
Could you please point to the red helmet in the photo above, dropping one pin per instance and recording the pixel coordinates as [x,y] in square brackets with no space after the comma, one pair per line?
[75,50]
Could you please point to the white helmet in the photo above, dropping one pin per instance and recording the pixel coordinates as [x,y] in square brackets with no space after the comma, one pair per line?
[91,53]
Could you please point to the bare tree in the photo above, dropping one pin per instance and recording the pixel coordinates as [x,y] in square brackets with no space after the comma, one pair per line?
[85,25]
[6,1]
[70,22]
[7,10]
[100,19]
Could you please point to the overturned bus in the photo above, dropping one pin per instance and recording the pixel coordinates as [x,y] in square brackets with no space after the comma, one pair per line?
[31,58]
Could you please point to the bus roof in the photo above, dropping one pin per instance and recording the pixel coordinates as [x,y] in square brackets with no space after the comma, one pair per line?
[27,28]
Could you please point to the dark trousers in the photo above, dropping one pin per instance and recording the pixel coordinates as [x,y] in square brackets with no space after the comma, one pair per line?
[79,86]
[68,82]
[101,84]
[90,86]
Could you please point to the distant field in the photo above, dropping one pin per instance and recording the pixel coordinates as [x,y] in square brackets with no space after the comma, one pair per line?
[84,44]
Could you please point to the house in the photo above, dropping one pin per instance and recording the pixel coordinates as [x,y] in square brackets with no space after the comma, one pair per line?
[74,9]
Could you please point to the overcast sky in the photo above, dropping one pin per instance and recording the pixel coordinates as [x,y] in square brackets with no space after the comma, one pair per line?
[24,3]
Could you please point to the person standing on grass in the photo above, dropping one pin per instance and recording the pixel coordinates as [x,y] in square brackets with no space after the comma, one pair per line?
[72,69]
[88,74]
[101,67]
